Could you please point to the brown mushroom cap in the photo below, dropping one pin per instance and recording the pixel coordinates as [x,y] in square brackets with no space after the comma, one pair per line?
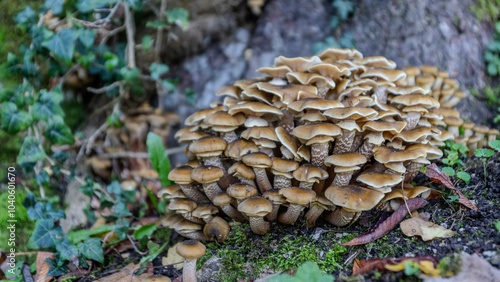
[340,54]
[351,113]
[229,90]
[453,121]
[275,71]
[208,146]
[298,196]
[257,160]
[205,210]
[313,104]
[255,206]
[240,147]
[254,109]
[384,74]
[182,205]
[222,118]
[217,229]
[241,191]
[309,131]
[387,155]
[309,173]
[384,126]
[416,134]
[191,249]
[346,160]
[416,99]
[197,117]
[274,196]
[354,197]
[432,152]
[379,180]
[241,170]
[412,71]
[282,165]
[376,62]
[207,174]
[181,175]
[223,199]
[447,112]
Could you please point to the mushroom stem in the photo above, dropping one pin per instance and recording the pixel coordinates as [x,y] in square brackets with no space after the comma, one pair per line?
[319,152]
[312,215]
[366,149]
[191,218]
[212,189]
[356,143]
[272,216]
[189,270]
[343,143]
[216,161]
[306,185]
[411,171]
[247,182]
[233,213]
[262,180]
[291,214]
[322,89]
[341,217]
[342,179]
[412,120]
[258,225]
[267,151]
[192,193]
[286,121]
[281,182]
[229,136]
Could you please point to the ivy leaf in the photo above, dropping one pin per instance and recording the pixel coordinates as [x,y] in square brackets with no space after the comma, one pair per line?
[135,4]
[146,230]
[45,235]
[47,106]
[344,8]
[42,178]
[89,187]
[29,201]
[495,145]
[56,6]
[129,74]
[178,16]
[55,268]
[67,251]
[30,152]
[45,211]
[86,37]
[27,16]
[121,210]
[147,42]
[59,133]
[14,120]
[121,228]
[62,45]
[86,6]
[464,176]
[157,70]
[11,96]
[91,249]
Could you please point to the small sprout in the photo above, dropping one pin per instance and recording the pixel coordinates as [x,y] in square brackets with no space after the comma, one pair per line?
[448,170]
[495,145]
[411,268]
[484,153]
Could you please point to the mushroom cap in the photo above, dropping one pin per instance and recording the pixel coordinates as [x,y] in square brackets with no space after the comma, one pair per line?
[241,191]
[308,78]
[345,160]
[223,199]
[432,152]
[217,229]
[412,71]
[340,54]
[241,170]
[172,192]
[255,206]
[275,71]
[274,196]
[298,64]
[181,174]
[445,135]
[474,139]
[429,69]
[228,90]
[405,90]
[453,121]
[416,99]
[287,140]
[376,62]
[185,135]
[205,210]
[313,104]
[493,132]
[353,113]
[382,126]
[191,249]
[309,131]
[468,125]
[446,112]
[307,173]
[379,180]
[197,117]
[329,70]
[240,147]
[209,146]
[186,226]
[254,109]
[387,155]
[257,160]
[171,220]
[266,132]
[298,196]
[182,205]
[482,129]
[397,167]
[283,165]
[223,118]
[354,197]
[343,169]
[416,134]
[384,74]
[207,174]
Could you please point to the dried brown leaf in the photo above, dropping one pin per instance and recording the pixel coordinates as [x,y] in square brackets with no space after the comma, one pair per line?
[42,268]
[387,225]
[434,173]
[127,274]
[418,225]
[366,266]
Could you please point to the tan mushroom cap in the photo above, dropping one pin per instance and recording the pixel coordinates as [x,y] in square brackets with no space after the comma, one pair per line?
[416,99]
[275,71]
[346,160]
[309,131]
[353,113]
[453,121]
[310,174]
[197,117]
[282,165]
[406,90]
[445,135]
[217,229]
[241,170]
[468,125]
[225,119]
[186,226]
[205,210]
[207,174]
[274,196]
[298,196]
[432,152]
[228,90]
[482,129]
[313,104]
[342,169]
[240,147]
[191,249]
[256,94]
[416,134]
[358,101]
[354,197]
[412,71]
[254,109]
[447,112]
[493,132]
[255,206]
[223,199]
[428,69]
[473,139]
[257,160]
[376,62]
[171,192]
[380,180]
[241,191]
[384,126]
[329,70]
[182,205]
[208,146]
[181,175]
[387,155]
[308,78]
[340,54]
[384,74]
[299,64]
[266,132]
[450,83]
[188,136]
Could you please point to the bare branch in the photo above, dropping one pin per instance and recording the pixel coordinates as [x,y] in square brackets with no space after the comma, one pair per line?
[105,88]
[130,28]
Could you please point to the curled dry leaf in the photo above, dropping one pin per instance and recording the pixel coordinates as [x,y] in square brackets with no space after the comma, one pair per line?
[127,274]
[419,226]
[427,267]
[173,258]
[42,268]
[361,267]
[387,225]
[434,173]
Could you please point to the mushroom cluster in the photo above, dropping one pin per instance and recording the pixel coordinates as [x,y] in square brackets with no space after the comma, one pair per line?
[323,137]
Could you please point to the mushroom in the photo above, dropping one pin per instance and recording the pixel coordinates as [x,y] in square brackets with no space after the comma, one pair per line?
[468,129]
[307,175]
[453,124]
[472,143]
[208,177]
[256,208]
[492,134]
[205,212]
[264,137]
[481,132]
[380,181]
[225,124]
[316,209]
[189,230]
[184,207]
[171,192]
[217,230]
[224,201]
[259,162]
[278,73]
[345,165]
[298,198]
[241,192]
[318,136]
[209,149]
[282,171]
[376,138]
[244,173]
[277,199]
[182,176]
[190,250]
[411,73]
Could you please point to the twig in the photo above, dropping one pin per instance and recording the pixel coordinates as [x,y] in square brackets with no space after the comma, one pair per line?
[112,33]
[140,155]
[104,108]
[404,198]
[26,253]
[159,32]
[135,248]
[105,88]
[99,23]
[130,28]
[94,136]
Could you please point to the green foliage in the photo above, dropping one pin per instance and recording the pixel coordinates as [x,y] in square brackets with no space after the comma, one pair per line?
[464,176]
[309,271]
[178,16]
[448,170]
[411,268]
[497,225]
[158,157]
[62,45]
[485,155]
[454,154]
[488,10]
[492,54]
[343,9]
[495,145]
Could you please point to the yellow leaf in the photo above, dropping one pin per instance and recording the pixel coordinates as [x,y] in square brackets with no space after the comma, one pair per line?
[396,267]
[427,267]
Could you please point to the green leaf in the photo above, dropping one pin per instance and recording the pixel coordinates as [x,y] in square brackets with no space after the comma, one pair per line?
[59,133]
[80,235]
[497,226]
[11,96]
[45,235]
[344,8]
[89,187]
[135,4]
[158,157]
[55,268]
[492,69]
[190,96]
[27,16]
[129,74]
[55,6]
[62,45]
[157,70]
[112,60]
[30,152]
[147,42]
[47,106]
[178,16]
[146,230]
[156,24]
[14,120]
[448,170]
[308,272]
[495,145]
[154,251]
[42,178]
[86,37]
[66,250]
[464,176]
[91,249]
[121,228]
[121,210]
[45,211]
[153,199]
[29,201]
[484,153]
[86,60]
[86,6]
[411,268]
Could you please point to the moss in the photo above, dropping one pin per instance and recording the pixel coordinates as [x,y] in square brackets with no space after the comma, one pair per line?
[24,226]
[488,10]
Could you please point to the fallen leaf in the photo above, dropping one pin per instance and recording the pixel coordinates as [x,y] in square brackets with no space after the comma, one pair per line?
[473,268]
[418,225]
[173,258]
[127,274]
[42,268]
[387,225]
[380,264]
[427,267]
[434,173]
